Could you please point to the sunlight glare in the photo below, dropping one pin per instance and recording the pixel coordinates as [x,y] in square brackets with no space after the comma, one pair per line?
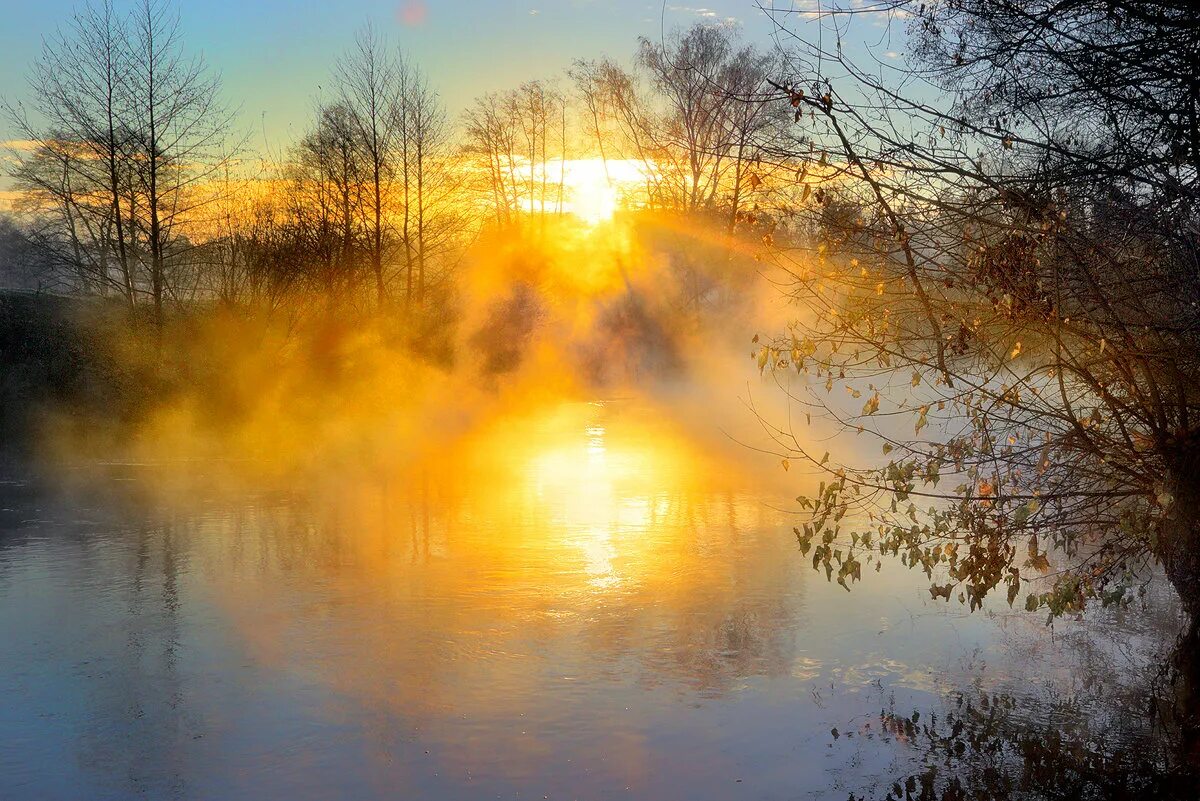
[596,188]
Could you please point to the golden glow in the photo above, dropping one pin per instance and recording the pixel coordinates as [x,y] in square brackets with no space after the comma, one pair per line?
[558,539]
[599,491]
[592,190]
[595,187]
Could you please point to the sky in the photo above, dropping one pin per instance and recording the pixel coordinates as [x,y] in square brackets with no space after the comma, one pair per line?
[275,55]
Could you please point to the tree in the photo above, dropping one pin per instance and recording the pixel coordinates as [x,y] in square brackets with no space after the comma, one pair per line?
[589,83]
[1020,285]
[621,118]
[328,179]
[428,177]
[491,129]
[126,130]
[80,94]
[755,125]
[367,78]
[177,129]
[714,103]
[19,257]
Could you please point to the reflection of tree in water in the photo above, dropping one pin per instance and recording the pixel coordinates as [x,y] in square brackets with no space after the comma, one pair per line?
[418,566]
[1111,730]
[998,746]
[117,635]
[140,714]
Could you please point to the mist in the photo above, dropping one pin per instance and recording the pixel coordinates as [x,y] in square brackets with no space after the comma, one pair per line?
[755,412]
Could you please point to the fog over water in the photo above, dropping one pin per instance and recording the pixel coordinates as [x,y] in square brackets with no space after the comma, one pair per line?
[796,401]
[563,567]
[587,599]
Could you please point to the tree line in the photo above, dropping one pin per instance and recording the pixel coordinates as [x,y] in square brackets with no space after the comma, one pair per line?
[134,182]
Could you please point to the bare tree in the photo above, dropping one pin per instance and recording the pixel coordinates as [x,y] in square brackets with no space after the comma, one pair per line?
[328,180]
[426,172]
[492,132]
[367,77]
[80,95]
[69,218]
[755,122]
[177,127]
[589,84]
[692,134]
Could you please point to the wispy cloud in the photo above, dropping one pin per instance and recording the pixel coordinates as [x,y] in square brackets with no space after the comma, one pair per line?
[699,12]
[705,14]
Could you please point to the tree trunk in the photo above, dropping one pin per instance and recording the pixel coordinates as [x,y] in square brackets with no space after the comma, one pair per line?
[420,223]
[1179,535]
[1179,550]
[1186,680]
[377,250]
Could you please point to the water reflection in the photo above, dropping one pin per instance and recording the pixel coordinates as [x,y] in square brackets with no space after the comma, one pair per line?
[574,603]
[579,550]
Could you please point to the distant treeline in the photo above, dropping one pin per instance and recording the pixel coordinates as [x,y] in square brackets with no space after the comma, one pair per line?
[134,183]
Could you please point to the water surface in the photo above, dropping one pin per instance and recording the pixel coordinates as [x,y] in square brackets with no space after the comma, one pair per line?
[585,602]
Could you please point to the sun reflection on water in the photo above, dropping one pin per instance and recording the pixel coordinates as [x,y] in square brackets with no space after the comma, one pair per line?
[546,566]
[567,599]
[597,497]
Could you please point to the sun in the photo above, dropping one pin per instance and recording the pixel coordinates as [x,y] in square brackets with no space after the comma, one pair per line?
[596,188]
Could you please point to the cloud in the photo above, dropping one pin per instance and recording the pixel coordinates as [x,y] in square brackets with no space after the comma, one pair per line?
[21,145]
[699,12]
[704,13]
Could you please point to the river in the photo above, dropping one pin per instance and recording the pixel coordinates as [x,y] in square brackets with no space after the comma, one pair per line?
[588,601]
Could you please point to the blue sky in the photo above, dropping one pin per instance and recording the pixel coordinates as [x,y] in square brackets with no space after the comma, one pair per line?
[274,55]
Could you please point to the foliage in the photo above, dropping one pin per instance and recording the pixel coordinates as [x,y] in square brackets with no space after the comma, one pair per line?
[1014,292]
